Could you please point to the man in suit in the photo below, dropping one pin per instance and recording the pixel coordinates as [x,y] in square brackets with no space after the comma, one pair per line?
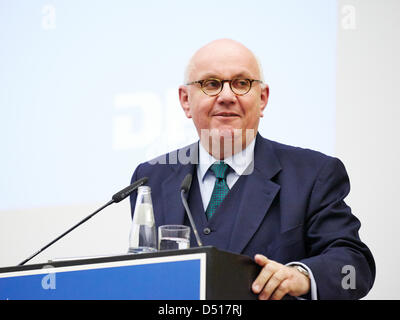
[281,205]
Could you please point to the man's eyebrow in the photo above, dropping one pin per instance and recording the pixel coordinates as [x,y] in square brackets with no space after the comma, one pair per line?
[242,75]
[209,75]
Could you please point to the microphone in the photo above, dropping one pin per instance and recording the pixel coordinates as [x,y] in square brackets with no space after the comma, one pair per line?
[119,196]
[185,187]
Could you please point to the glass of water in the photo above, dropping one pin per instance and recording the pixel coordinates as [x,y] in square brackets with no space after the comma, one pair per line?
[173,237]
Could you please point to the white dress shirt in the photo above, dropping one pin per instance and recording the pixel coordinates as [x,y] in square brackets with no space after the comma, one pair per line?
[239,162]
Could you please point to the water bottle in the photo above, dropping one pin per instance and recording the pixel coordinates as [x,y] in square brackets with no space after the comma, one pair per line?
[142,238]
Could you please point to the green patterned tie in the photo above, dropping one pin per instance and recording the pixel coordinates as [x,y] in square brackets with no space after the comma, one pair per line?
[221,189]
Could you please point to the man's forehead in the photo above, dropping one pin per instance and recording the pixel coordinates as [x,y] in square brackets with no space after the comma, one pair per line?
[223,58]
[219,65]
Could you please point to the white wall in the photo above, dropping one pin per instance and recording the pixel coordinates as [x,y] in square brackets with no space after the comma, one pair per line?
[368,131]
[24,232]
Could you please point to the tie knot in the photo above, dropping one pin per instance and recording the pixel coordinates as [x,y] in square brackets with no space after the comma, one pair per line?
[220,169]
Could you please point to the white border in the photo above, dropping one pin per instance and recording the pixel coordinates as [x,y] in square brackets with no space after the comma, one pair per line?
[48,268]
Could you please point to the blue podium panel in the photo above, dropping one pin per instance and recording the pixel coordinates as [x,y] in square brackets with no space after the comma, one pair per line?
[170,278]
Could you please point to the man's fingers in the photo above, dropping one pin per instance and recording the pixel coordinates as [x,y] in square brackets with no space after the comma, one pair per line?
[273,284]
[261,260]
[266,272]
[281,291]
[276,280]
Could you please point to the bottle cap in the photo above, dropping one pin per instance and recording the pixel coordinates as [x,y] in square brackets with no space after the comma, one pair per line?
[144,189]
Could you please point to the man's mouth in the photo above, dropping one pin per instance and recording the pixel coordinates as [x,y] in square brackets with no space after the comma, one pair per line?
[226,114]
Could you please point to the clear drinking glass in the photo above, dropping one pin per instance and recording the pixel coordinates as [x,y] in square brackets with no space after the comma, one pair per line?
[173,237]
[143,237]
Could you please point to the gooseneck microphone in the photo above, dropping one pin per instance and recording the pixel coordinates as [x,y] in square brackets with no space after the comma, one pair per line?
[119,196]
[185,187]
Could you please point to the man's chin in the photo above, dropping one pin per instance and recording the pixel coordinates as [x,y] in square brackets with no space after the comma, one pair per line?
[226,133]
[225,141]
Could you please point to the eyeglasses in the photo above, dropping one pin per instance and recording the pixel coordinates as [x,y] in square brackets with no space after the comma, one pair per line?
[213,86]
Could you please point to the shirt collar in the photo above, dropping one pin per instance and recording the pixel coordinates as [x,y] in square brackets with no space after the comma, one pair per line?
[238,162]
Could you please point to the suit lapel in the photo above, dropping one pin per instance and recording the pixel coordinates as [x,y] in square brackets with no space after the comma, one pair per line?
[259,193]
[174,212]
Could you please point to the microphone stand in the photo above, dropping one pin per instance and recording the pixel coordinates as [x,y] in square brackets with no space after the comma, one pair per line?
[66,232]
[189,214]
[119,196]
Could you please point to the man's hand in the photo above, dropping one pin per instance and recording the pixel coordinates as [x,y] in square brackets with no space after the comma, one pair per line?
[276,280]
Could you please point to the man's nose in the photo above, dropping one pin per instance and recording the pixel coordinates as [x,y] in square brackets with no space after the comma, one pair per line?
[226,95]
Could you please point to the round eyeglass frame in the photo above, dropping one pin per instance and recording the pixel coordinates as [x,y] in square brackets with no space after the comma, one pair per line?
[201,82]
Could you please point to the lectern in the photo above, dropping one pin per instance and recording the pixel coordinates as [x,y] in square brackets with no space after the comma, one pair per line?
[191,274]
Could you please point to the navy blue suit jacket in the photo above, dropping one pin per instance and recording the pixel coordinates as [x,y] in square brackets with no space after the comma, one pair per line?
[290,208]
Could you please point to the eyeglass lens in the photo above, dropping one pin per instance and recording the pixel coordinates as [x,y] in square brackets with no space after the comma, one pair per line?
[238,86]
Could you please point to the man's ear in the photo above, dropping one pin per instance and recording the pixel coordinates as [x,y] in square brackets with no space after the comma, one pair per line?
[264,99]
[184,100]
